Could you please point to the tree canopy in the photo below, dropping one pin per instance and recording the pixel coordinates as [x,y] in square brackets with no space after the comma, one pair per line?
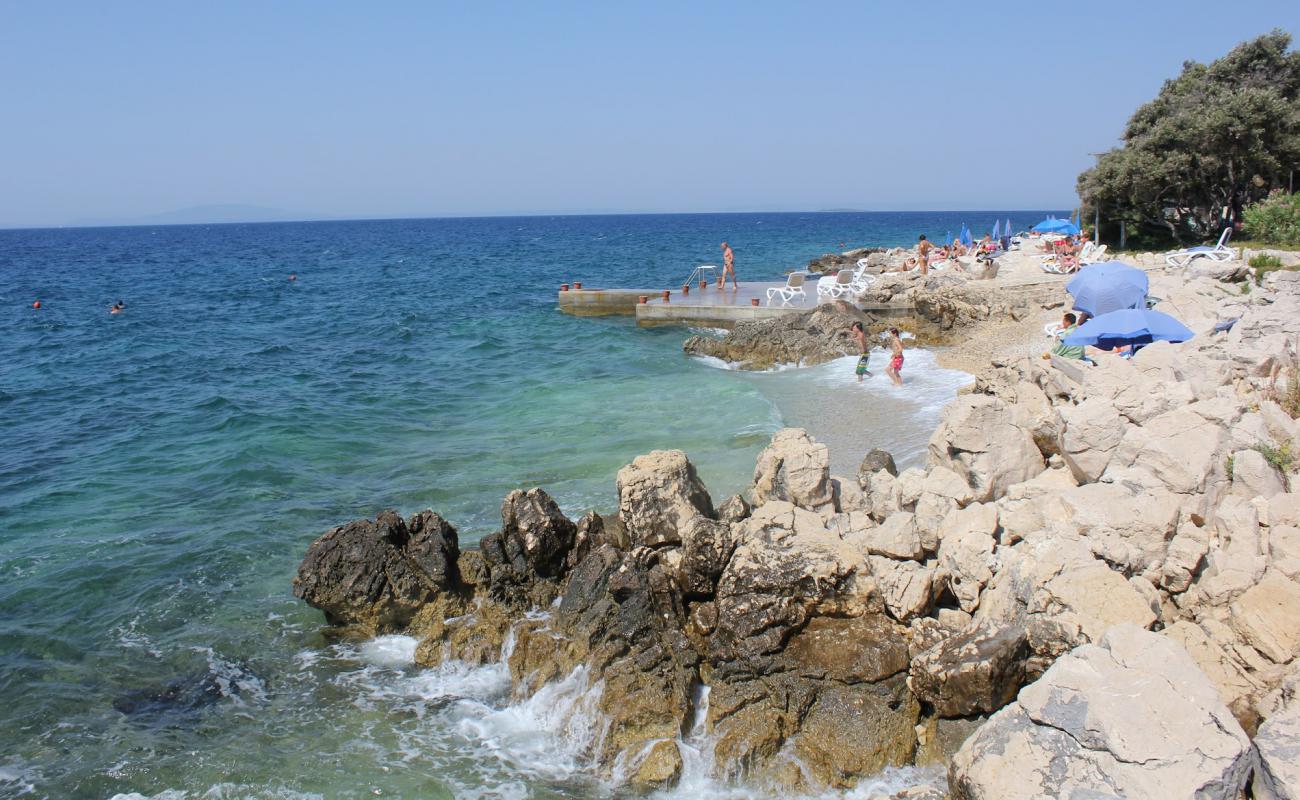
[1217,137]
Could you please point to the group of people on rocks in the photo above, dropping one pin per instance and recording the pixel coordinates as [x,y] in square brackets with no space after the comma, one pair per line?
[929,254]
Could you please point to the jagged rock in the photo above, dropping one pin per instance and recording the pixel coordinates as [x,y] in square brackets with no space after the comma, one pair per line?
[1181,449]
[874,462]
[1228,674]
[1093,429]
[1131,716]
[979,440]
[590,532]
[1237,554]
[1265,616]
[1277,746]
[1253,476]
[1184,556]
[1128,527]
[907,587]
[661,767]
[734,509]
[786,567]
[836,695]
[811,337]
[706,548]
[966,551]
[975,672]
[535,536]
[896,537]
[377,575]
[658,493]
[794,468]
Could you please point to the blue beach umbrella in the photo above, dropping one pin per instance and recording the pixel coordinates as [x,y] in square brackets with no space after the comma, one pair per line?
[1006,229]
[964,236]
[997,230]
[1054,225]
[1130,326]
[1101,288]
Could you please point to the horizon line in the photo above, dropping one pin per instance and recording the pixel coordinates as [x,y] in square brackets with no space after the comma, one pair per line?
[527,215]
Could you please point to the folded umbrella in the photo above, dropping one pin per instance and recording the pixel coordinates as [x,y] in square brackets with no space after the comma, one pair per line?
[1130,326]
[1110,286]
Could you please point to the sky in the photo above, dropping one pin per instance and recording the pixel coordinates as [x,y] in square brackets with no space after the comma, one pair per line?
[354,110]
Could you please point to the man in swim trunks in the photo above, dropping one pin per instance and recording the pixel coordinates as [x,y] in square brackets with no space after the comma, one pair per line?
[896,362]
[728,267]
[861,336]
[923,248]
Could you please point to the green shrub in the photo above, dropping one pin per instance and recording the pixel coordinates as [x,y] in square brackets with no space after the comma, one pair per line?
[1275,219]
[1289,398]
[1279,457]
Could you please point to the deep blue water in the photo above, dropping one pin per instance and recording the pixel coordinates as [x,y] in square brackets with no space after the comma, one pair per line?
[164,469]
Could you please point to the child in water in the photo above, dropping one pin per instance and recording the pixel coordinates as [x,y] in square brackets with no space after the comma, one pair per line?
[861,336]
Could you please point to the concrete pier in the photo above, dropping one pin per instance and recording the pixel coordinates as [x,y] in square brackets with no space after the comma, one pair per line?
[708,306]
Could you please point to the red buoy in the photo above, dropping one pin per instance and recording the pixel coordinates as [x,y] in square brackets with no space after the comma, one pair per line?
[37,304]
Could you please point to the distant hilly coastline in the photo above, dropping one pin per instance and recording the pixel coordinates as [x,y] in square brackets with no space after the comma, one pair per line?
[202,215]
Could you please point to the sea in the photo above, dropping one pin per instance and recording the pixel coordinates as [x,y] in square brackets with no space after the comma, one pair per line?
[164,469]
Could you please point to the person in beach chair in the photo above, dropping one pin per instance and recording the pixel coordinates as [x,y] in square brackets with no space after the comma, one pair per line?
[1069,323]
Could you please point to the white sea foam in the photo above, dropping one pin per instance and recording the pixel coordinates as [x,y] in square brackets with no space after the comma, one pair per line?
[390,651]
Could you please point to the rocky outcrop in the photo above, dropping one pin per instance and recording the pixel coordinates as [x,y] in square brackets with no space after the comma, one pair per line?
[1130,716]
[1105,564]
[807,338]
[377,575]
[795,469]
[658,494]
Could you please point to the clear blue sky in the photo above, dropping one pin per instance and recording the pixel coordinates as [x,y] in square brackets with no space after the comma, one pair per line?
[430,109]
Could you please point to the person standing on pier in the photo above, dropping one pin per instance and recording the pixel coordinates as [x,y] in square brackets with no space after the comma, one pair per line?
[728,267]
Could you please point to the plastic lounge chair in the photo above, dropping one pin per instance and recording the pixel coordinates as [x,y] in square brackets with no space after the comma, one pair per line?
[793,288]
[841,285]
[1052,329]
[1097,255]
[1220,253]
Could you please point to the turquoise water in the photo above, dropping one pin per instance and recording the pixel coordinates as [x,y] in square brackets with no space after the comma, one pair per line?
[164,470]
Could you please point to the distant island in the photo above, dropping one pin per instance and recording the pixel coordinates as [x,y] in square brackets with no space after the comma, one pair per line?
[201,215]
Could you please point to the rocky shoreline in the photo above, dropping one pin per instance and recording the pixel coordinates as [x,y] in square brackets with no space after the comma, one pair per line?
[1090,589]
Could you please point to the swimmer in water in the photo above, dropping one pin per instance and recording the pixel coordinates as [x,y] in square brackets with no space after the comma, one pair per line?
[117,308]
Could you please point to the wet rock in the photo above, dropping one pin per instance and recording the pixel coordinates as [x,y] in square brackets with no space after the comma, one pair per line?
[658,493]
[535,536]
[706,548]
[812,337]
[1129,717]
[874,462]
[376,575]
[660,768]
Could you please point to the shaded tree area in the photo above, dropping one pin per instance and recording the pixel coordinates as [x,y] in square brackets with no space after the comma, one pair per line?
[1216,138]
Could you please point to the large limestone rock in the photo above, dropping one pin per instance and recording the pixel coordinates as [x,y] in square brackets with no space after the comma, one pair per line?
[1267,616]
[377,575]
[1180,448]
[1131,716]
[1253,476]
[1093,429]
[658,494]
[980,440]
[966,551]
[794,468]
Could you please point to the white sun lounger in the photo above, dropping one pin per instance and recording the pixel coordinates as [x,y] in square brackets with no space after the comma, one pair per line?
[1220,253]
[793,288]
[846,282]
